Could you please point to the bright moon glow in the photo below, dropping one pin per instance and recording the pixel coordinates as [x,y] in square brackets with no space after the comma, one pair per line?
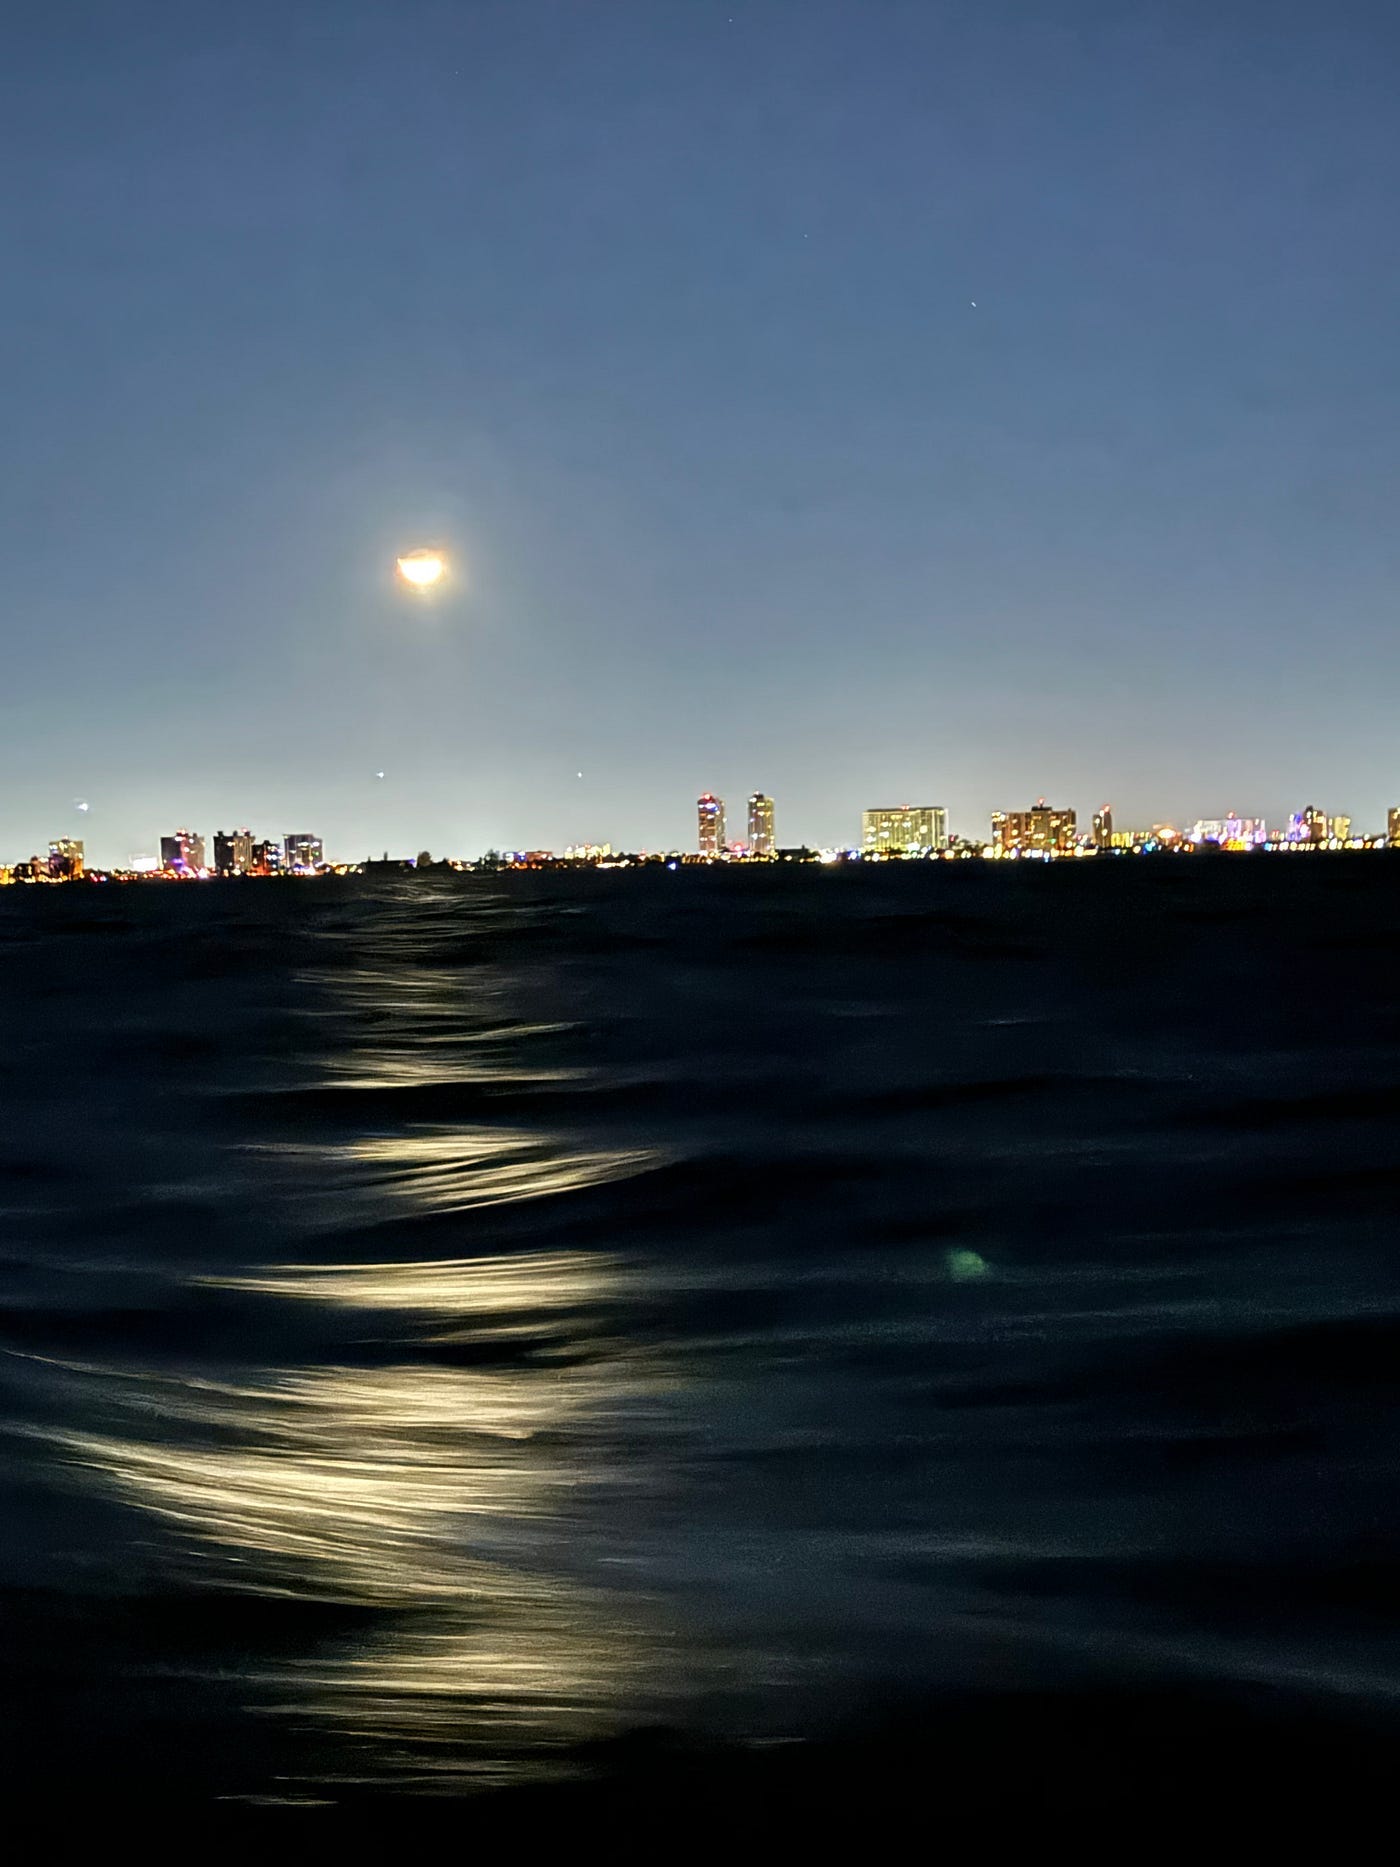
[423,569]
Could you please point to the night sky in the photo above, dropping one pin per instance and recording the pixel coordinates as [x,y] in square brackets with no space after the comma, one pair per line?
[660,317]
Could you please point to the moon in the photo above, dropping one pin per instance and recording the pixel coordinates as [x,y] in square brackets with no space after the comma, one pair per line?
[422,569]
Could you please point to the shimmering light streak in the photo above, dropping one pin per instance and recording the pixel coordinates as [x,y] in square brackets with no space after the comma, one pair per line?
[439,1497]
[348,1483]
[452,1170]
[466,1287]
[443,1170]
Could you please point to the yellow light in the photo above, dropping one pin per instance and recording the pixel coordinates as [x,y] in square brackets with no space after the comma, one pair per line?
[422,569]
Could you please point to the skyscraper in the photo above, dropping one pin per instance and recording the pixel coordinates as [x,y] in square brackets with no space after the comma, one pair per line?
[710,811]
[233,852]
[65,859]
[1103,826]
[1308,825]
[1230,832]
[760,825]
[1042,829]
[182,853]
[303,851]
[904,829]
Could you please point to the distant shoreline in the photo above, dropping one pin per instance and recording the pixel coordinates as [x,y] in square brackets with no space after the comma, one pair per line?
[442,871]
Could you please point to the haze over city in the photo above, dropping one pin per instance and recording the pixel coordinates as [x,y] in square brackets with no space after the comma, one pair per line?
[877,403]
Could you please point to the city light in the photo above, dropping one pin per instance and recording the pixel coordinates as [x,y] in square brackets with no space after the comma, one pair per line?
[890,834]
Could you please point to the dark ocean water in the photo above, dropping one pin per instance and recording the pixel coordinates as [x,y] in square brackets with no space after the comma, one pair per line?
[762,1328]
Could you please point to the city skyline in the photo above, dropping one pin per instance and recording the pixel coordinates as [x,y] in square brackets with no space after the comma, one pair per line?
[1040,828]
[878,408]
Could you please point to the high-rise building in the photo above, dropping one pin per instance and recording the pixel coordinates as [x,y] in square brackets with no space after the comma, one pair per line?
[1230,832]
[1042,829]
[182,853]
[267,858]
[1103,827]
[904,829]
[65,859]
[233,852]
[1308,825]
[1341,829]
[1392,826]
[761,841]
[303,851]
[710,811]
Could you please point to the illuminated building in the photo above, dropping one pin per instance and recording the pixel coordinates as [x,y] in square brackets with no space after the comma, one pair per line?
[710,811]
[1230,832]
[1103,826]
[904,829]
[301,851]
[182,853]
[233,852]
[761,840]
[1308,825]
[65,859]
[267,859]
[587,852]
[1392,826]
[1043,829]
[1341,829]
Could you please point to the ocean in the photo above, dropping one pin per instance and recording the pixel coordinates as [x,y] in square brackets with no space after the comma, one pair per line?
[755,1332]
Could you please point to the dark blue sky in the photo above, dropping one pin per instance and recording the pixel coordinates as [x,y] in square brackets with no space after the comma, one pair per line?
[660,315]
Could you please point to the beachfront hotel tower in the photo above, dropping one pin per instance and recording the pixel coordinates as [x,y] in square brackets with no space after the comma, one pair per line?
[710,812]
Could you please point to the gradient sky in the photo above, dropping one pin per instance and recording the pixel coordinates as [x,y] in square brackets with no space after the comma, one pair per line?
[659,313]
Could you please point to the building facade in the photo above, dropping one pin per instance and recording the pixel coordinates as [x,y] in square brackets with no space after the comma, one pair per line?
[904,829]
[1308,825]
[267,858]
[710,815]
[233,852]
[66,859]
[1392,826]
[1230,832]
[182,853]
[761,839]
[1042,830]
[1103,827]
[302,850]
